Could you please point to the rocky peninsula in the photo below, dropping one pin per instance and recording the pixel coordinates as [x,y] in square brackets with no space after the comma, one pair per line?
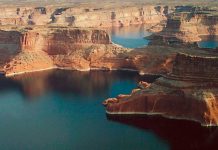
[188,92]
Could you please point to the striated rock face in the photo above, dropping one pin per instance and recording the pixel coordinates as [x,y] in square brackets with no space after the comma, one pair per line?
[122,16]
[52,40]
[47,37]
[199,67]
[82,16]
[44,48]
[9,45]
[189,27]
[187,93]
[40,48]
[31,41]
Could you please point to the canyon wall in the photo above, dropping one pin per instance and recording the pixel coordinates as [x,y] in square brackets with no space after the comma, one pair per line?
[122,16]
[188,27]
[9,45]
[55,40]
[43,48]
[192,95]
[195,66]
[82,16]
[40,48]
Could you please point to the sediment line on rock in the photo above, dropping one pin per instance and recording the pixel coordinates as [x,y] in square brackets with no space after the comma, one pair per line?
[176,99]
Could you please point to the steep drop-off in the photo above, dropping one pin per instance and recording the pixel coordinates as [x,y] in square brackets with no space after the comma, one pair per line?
[44,48]
[82,16]
[187,27]
[39,48]
[189,92]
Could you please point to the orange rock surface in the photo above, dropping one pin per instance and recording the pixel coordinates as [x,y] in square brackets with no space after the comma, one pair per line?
[188,27]
[189,93]
[36,38]
[82,16]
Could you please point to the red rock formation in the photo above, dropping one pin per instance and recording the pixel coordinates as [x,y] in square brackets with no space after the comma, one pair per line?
[9,45]
[31,41]
[199,67]
[82,16]
[69,48]
[40,48]
[80,49]
[121,17]
[189,27]
[187,93]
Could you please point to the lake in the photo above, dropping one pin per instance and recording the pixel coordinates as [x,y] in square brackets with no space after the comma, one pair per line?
[56,110]
[130,36]
[134,37]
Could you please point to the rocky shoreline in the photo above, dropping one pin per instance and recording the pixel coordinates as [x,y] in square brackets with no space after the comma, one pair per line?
[176,95]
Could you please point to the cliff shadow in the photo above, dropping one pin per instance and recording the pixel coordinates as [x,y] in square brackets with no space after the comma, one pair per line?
[180,134]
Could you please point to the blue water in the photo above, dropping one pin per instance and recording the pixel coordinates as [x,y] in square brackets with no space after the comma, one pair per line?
[208,44]
[130,37]
[62,110]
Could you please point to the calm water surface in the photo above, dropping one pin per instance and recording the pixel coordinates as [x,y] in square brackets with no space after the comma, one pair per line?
[56,110]
[209,42]
[62,110]
[134,37]
[130,37]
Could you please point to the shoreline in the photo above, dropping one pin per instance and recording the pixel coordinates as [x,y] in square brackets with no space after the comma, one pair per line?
[82,70]
[132,114]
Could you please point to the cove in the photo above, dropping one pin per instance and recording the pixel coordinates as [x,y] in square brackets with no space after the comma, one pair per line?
[56,110]
[132,36]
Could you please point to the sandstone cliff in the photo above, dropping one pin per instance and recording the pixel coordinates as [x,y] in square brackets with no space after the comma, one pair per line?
[82,16]
[39,48]
[187,93]
[51,39]
[188,27]
[44,48]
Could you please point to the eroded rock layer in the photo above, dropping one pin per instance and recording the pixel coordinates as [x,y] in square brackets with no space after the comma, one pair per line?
[189,92]
[82,16]
[189,27]
[28,49]
[43,48]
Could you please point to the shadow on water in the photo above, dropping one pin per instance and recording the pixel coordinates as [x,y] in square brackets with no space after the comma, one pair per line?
[180,134]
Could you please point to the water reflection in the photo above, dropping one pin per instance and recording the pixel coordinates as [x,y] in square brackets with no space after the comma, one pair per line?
[130,36]
[79,83]
[180,134]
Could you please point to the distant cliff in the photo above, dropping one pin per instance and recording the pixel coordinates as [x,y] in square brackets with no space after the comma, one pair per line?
[188,27]
[82,17]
